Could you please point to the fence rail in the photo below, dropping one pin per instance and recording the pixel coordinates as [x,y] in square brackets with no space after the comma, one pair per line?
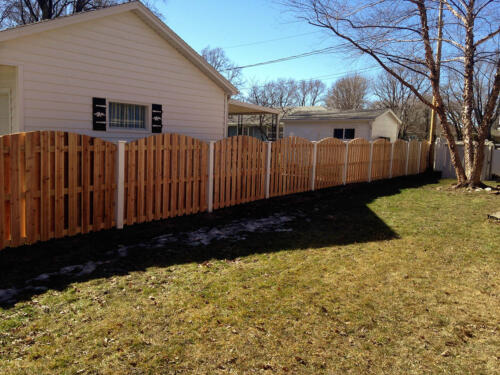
[56,184]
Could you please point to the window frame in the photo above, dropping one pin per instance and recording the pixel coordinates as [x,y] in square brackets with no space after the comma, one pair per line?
[146,129]
[344,135]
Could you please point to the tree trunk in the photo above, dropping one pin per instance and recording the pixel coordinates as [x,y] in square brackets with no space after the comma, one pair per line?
[452,146]
[468,94]
[475,179]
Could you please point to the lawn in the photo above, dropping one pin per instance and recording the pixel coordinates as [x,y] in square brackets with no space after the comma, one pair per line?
[396,277]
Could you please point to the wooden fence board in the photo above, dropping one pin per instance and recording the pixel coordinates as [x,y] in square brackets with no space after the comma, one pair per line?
[291,166]
[424,156]
[399,158]
[413,157]
[175,179]
[381,159]
[86,142]
[358,161]
[239,171]
[329,163]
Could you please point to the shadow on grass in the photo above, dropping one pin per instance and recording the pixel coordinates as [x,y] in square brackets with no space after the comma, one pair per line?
[335,216]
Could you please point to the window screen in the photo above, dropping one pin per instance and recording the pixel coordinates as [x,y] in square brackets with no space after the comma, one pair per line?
[130,116]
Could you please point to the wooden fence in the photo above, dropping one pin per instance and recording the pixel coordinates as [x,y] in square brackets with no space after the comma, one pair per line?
[239,171]
[399,152]
[358,161]
[330,162]
[165,176]
[54,184]
[291,166]
[381,159]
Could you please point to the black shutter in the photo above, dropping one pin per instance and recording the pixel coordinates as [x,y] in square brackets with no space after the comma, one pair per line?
[99,114]
[156,118]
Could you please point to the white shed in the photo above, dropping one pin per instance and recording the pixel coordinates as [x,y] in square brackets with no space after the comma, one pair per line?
[115,73]
[315,123]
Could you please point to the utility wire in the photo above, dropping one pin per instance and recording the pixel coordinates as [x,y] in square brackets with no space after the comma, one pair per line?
[282,59]
[332,49]
[271,40]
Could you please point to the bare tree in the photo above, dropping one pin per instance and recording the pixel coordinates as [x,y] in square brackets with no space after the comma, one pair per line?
[310,92]
[222,63]
[403,33]
[21,12]
[390,93]
[348,93]
[484,73]
[281,94]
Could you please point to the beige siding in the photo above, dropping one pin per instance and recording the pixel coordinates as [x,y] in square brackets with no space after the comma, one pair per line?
[317,130]
[120,58]
[385,126]
[8,90]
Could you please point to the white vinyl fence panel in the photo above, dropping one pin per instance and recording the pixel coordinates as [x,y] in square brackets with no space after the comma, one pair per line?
[442,160]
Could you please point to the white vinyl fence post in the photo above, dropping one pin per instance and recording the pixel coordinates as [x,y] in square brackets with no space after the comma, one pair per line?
[371,163]
[419,156]
[120,184]
[407,157]
[268,168]
[345,162]
[315,159]
[437,155]
[392,158]
[210,191]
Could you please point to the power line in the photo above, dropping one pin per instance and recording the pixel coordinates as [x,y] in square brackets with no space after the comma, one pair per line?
[287,58]
[331,49]
[271,40]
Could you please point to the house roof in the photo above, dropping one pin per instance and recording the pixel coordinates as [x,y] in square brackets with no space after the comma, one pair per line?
[145,14]
[322,114]
[241,108]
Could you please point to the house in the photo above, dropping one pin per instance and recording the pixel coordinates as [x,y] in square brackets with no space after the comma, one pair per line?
[315,123]
[114,73]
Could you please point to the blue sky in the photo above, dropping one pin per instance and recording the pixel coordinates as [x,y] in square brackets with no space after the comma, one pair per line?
[240,26]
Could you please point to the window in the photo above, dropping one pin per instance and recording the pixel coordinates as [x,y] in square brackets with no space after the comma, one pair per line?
[344,133]
[348,133]
[130,116]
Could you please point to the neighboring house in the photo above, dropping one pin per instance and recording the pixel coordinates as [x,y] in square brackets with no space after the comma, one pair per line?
[115,73]
[315,123]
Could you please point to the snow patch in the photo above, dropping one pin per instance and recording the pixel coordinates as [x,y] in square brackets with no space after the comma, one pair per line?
[235,231]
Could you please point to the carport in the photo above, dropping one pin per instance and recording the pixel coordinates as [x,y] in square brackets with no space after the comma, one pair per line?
[240,109]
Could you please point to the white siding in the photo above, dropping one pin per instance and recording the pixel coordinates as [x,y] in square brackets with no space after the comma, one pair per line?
[8,84]
[316,130]
[385,126]
[120,58]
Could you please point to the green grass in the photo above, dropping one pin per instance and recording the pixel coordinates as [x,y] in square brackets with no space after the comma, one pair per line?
[387,278]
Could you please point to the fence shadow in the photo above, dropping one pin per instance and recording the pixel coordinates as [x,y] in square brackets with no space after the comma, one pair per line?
[334,216]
